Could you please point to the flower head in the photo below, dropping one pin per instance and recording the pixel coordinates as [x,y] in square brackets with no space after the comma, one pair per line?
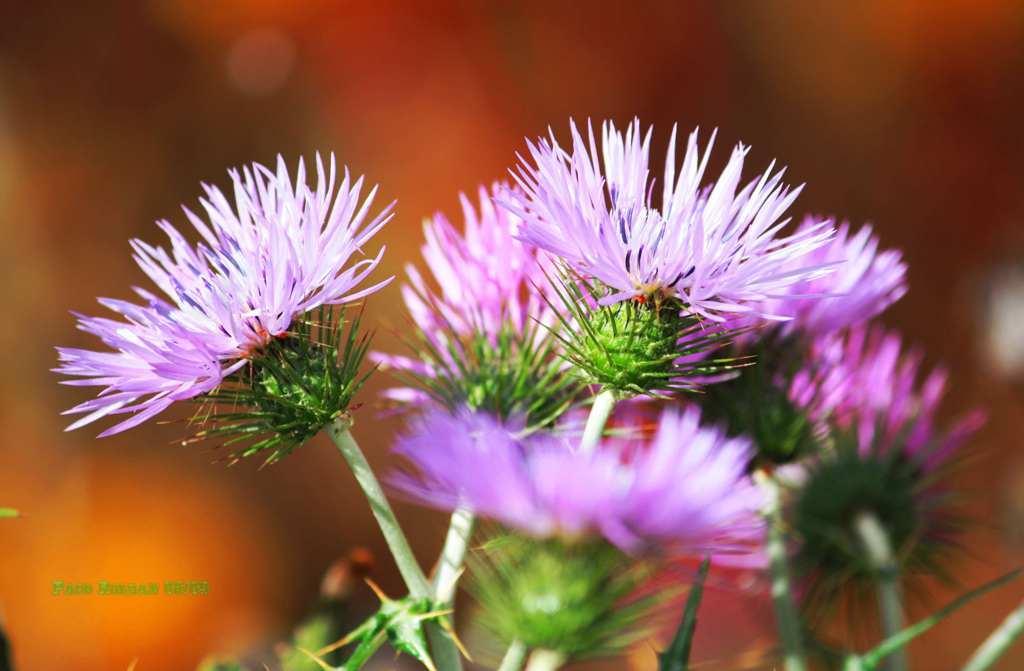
[715,246]
[279,251]
[863,382]
[888,455]
[479,336]
[865,281]
[685,487]
[155,361]
[486,278]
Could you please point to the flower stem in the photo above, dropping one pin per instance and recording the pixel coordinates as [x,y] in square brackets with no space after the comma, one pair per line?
[786,616]
[411,572]
[598,417]
[989,652]
[514,657]
[453,555]
[890,595]
[446,655]
[545,660]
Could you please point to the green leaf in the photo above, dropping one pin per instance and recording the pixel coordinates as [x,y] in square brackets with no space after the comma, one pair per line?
[873,658]
[677,656]
[9,512]
[398,621]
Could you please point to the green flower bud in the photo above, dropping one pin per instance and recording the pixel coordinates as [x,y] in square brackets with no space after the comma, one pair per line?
[845,487]
[649,345]
[517,375]
[572,598]
[292,388]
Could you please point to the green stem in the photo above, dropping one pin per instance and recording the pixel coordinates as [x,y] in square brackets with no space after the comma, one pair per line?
[411,572]
[598,417]
[545,660]
[514,657]
[786,615]
[890,594]
[998,642]
[446,654]
[453,555]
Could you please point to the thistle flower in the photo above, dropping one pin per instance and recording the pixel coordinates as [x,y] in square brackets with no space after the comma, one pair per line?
[684,488]
[487,279]
[865,281]
[156,361]
[713,247]
[862,381]
[280,251]
[639,347]
[479,335]
[887,457]
[586,528]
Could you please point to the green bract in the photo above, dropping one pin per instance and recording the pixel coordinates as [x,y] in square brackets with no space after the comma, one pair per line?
[755,404]
[292,389]
[517,375]
[647,345]
[573,598]
[885,485]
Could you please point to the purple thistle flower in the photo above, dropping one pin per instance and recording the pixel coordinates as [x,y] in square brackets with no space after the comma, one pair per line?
[715,247]
[863,381]
[486,278]
[280,250]
[685,487]
[154,363]
[865,282]
[478,317]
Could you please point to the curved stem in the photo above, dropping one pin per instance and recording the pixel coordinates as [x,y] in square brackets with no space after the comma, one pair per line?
[890,594]
[604,402]
[998,642]
[446,654]
[453,555]
[411,572]
[514,657]
[545,660]
[786,615]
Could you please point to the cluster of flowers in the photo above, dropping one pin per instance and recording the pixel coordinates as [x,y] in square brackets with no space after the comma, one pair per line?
[556,337]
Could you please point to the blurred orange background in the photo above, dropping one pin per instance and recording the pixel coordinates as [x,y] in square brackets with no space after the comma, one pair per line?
[906,114]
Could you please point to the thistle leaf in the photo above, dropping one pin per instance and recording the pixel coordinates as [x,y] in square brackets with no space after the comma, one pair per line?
[871,660]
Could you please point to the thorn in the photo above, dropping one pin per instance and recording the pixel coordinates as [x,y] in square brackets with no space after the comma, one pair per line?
[377,591]
[321,663]
[341,642]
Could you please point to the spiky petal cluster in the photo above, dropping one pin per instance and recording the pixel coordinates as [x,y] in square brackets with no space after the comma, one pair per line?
[487,278]
[155,361]
[479,339]
[486,283]
[279,250]
[863,381]
[865,281]
[714,246]
[685,487]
